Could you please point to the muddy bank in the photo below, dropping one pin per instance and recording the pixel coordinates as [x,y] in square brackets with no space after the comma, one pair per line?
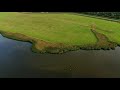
[41,46]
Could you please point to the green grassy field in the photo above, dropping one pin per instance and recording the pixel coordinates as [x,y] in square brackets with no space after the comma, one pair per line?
[66,28]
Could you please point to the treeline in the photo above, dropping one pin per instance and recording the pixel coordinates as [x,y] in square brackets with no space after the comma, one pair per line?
[115,15]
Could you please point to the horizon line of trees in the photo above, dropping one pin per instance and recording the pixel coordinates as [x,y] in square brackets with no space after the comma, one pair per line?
[115,15]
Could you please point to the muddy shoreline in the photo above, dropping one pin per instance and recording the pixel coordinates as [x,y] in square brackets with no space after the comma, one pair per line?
[40,46]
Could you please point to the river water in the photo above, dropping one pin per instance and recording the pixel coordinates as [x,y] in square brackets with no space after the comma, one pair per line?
[18,61]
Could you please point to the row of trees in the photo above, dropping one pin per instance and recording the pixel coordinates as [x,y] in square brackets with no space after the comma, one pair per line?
[115,15]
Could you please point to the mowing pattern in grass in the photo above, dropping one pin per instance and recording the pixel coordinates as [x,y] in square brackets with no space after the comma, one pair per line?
[60,32]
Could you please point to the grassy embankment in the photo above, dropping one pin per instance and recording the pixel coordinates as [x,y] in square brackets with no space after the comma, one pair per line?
[60,32]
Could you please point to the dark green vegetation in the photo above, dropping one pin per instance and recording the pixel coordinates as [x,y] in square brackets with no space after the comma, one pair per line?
[115,15]
[60,32]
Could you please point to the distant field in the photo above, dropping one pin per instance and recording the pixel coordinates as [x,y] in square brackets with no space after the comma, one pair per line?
[66,28]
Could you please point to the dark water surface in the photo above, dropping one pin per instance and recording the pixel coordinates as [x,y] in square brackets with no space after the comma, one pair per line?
[17,60]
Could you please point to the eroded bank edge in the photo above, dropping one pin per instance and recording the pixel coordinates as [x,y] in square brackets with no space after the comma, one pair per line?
[40,46]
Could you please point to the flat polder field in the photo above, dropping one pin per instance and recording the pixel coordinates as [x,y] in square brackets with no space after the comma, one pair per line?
[60,32]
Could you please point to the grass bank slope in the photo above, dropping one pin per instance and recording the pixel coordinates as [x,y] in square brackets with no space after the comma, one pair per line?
[58,29]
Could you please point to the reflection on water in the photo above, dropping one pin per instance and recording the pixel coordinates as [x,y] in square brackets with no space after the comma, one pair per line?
[17,60]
